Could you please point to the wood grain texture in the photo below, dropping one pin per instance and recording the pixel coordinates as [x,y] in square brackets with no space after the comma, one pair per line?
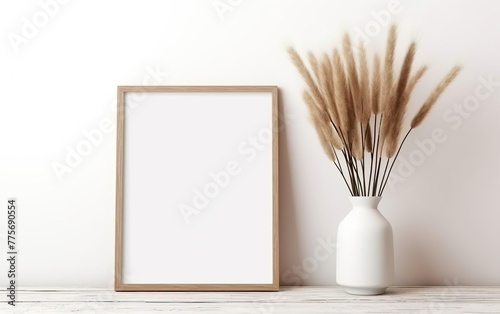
[206,88]
[452,299]
[119,187]
[275,147]
[119,285]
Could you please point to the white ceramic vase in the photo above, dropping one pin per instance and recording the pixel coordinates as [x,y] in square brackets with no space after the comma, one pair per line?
[365,253]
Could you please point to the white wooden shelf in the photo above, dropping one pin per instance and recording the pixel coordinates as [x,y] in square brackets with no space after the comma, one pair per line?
[289,300]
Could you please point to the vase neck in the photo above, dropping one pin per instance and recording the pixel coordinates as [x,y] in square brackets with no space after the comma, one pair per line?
[365,202]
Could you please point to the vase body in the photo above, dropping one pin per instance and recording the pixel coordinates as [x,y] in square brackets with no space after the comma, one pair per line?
[365,253]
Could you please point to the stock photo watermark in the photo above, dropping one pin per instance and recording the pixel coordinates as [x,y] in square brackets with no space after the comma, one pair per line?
[12,250]
[32,25]
[454,117]
[294,276]
[324,250]
[448,294]
[223,7]
[91,139]
[247,151]
[380,19]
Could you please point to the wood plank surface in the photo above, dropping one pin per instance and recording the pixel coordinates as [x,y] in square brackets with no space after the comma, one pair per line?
[452,299]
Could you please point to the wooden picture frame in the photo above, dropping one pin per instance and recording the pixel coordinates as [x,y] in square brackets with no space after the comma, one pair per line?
[197,188]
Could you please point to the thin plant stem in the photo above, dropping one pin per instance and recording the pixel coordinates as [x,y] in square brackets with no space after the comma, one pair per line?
[353,169]
[394,160]
[363,158]
[378,159]
[383,176]
[371,154]
[356,168]
[347,157]
[345,144]
[351,175]
[339,167]
[346,153]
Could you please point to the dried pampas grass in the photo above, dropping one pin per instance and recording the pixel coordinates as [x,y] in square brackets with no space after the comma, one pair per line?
[394,112]
[359,114]
[433,97]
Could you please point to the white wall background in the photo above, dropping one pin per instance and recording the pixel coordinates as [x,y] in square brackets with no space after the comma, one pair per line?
[60,81]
